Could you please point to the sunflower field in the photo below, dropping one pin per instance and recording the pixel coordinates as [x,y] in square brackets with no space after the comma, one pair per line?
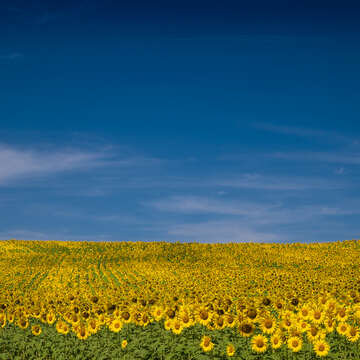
[179,301]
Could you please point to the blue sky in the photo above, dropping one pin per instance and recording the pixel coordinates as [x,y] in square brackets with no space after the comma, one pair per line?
[208,122]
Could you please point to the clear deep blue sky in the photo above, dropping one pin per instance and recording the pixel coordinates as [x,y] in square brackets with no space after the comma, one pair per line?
[184,121]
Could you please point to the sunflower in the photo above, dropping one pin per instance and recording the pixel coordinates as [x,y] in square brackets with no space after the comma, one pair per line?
[331,305]
[10,318]
[276,341]
[305,312]
[59,326]
[203,316]
[230,320]
[287,323]
[93,326]
[206,343]
[177,327]
[65,329]
[317,316]
[356,314]
[101,319]
[145,320]
[168,324]
[36,313]
[353,333]
[23,323]
[294,343]
[278,305]
[115,325]
[43,317]
[329,325]
[268,325]
[124,343]
[252,314]
[82,332]
[246,329]
[2,320]
[259,343]
[158,313]
[230,350]
[126,317]
[50,318]
[219,322]
[342,314]
[342,328]
[185,319]
[321,348]
[303,326]
[36,330]
[75,319]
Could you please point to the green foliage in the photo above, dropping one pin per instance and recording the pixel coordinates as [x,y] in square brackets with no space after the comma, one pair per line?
[152,342]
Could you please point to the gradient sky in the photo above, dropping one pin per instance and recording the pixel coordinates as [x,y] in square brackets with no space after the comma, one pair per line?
[210,121]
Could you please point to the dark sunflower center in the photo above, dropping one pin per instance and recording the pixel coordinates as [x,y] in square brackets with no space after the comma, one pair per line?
[260,343]
[125,315]
[252,313]
[268,323]
[246,328]
[204,315]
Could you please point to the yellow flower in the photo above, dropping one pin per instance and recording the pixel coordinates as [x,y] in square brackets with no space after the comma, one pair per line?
[10,318]
[342,314]
[230,350]
[259,343]
[321,348]
[317,316]
[50,318]
[303,326]
[246,329]
[23,323]
[2,320]
[126,317]
[36,330]
[116,325]
[329,325]
[123,344]
[353,334]
[168,324]
[294,343]
[65,329]
[177,327]
[93,326]
[305,312]
[158,313]
[268,325]
[206,343]
[230,320]
[276,341]
[203,316]
[82,332]
[342,328]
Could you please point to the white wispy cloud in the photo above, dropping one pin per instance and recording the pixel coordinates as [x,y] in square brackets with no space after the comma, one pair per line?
[25,234]
[272,182]
[244,221]
[196,204]
[341,157]
[254,213]
[305,132]
[220,231]
[19,163]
